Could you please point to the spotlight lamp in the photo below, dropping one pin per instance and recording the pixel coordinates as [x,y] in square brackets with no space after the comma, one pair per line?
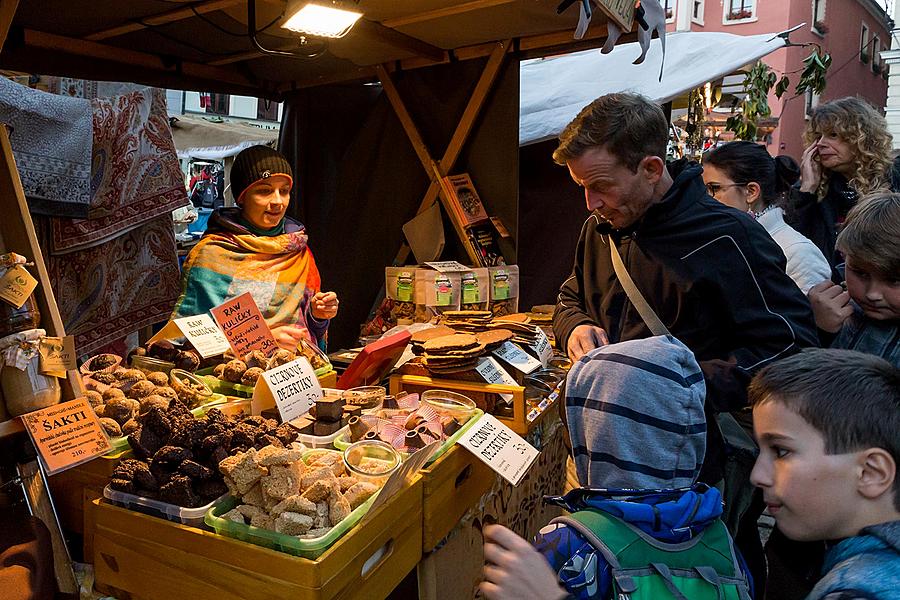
[319,18]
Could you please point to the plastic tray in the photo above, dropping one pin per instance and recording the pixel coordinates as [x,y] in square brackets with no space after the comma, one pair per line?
[236,389]
[323,441]
[171,512]
[342,442]
[308,548]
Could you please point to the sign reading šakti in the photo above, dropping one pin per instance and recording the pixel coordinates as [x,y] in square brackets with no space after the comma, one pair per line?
[66,435]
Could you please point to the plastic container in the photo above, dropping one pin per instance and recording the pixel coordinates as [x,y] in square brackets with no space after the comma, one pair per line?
[190,387]
[355,460]
[149,364]
[369,397]
[194,517]
[322,441]
[445,402]
[310,548]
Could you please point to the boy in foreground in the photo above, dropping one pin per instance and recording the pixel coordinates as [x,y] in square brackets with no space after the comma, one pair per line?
[828,427]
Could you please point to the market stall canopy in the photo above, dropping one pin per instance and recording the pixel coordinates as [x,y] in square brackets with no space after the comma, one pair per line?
[553,90]
[198,137]
[204,45]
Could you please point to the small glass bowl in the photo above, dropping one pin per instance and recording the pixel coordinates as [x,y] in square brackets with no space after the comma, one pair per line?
[148,364]
[190,388]
[445,402]
[559,362]
[371,460]
[368,398]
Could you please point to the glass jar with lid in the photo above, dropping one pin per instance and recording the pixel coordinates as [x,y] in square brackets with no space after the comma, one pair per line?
[25,388]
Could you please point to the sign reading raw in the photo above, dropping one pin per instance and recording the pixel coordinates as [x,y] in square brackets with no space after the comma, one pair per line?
[244,325]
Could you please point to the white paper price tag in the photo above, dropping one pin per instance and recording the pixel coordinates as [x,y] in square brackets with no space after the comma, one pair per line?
[448,266]
[500,448]
[517,357]
[294,387]
[204,334]
[491,371]
[542,347]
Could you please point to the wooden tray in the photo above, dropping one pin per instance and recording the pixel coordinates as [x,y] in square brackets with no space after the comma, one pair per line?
[141,557]
[476,391]
[451,486]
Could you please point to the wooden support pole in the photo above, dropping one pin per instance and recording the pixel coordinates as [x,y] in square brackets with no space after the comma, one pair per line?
[463,129]
[7,12]
[435,173]
[67,45]
[171,16]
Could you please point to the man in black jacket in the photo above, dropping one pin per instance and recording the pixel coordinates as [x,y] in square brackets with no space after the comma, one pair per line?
[712,274]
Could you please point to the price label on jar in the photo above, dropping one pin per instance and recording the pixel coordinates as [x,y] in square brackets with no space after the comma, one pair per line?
[294,387]
[500,448]
[16,285]
[57,355]
[66,435]
[517,358]
[542,347]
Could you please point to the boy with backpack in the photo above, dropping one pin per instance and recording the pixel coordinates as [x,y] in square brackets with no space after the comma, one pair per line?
[828,426]
[641,528]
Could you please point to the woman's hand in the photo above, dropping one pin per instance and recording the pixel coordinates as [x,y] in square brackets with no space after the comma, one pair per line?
[324,305]
[289,336]
[810,169]
[830,305]
[515,570]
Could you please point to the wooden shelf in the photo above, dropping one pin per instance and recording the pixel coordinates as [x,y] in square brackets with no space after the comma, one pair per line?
[10,428]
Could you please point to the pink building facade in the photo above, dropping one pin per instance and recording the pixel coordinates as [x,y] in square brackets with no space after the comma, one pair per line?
[854,32]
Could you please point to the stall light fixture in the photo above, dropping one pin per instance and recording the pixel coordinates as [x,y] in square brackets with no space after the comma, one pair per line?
[319,19]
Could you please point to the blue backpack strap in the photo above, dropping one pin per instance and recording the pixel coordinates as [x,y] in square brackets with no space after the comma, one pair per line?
[712,577]
[666,575]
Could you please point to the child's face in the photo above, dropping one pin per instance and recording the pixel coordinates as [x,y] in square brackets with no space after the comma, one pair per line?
[878,297]
[812,495]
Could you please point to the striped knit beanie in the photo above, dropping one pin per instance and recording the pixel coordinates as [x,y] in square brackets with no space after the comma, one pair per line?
[635,415]
[254,164]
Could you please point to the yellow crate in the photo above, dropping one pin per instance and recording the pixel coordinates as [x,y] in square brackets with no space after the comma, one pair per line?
[452,485]
[141,557]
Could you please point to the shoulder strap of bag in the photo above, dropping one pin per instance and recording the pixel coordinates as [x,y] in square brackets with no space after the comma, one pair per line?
[657,327]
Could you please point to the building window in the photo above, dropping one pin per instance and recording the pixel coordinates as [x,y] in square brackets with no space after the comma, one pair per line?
[669,5]
[739,10]
[266,110]
[218,104]
[864,44]
[697,12]
[818,17]
[876,51]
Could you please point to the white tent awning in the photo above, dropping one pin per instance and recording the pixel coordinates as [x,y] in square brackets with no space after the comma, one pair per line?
[554,90]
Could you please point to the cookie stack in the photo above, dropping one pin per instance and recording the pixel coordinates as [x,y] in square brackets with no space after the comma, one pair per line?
[494,338]
[471,321]
[523,332]
[452,353]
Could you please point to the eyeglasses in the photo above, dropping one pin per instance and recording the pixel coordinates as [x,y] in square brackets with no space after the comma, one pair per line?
[715,188]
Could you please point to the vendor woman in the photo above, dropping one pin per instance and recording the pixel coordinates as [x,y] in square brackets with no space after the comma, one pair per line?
[256,248]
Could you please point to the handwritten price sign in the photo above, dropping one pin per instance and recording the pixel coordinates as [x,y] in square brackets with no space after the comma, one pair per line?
[244,325]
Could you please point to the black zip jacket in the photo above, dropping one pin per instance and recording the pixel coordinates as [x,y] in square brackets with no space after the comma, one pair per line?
[713,275]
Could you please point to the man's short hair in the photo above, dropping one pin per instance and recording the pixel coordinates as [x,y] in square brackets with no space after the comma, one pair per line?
[628,126]
[871,233]
[851,398]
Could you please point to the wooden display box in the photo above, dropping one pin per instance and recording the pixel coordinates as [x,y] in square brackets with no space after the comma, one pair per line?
[75,487]
[142,557]
[479,392]
[451,486]
[17,235]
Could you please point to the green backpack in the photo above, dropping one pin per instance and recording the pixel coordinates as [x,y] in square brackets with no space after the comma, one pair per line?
[643,568]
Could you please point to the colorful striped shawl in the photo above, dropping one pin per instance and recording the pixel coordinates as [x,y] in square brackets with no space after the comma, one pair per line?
[278,271]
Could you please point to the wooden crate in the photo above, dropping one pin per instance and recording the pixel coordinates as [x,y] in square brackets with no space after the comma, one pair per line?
[142,557]
[477,391]
[70,487]
[451,486]
[17,235]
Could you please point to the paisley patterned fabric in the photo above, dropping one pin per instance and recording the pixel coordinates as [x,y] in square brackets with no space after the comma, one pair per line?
[135,175]
[51,141]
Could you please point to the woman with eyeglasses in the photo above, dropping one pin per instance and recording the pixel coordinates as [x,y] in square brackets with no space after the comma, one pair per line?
[743,175]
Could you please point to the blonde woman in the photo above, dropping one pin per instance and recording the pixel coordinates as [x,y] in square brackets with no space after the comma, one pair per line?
[848,155]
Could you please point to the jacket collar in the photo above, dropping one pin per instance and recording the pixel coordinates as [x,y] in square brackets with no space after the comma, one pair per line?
[883,536]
